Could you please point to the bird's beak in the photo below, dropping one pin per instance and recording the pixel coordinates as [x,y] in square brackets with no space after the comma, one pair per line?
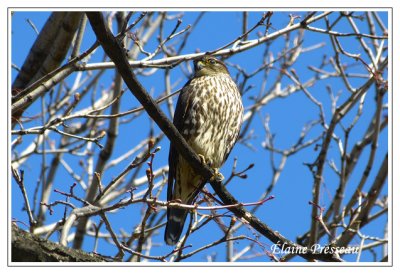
[199,65]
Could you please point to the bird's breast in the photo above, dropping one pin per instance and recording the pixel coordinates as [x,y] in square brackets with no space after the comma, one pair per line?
[214,117]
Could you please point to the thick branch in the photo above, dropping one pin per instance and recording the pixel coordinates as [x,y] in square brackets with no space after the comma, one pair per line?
[29,248]
[46,54]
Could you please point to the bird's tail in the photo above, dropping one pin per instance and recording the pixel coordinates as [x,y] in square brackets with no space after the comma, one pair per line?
[176,221]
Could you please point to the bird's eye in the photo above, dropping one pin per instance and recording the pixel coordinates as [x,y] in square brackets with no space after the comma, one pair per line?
[211,61]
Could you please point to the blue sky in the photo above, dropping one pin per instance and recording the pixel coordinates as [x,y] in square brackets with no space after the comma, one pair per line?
[289,213]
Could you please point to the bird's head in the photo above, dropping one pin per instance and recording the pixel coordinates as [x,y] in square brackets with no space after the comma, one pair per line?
[208,65]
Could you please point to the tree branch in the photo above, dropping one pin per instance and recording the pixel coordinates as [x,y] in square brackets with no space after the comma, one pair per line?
[26,247]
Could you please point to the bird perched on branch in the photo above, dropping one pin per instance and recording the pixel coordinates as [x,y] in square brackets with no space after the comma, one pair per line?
[208,114]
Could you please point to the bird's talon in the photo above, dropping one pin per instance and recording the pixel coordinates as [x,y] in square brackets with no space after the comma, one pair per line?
[217,176]
[205,161]
[202,159]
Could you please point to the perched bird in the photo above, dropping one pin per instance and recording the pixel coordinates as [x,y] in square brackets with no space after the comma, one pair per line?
[208,114]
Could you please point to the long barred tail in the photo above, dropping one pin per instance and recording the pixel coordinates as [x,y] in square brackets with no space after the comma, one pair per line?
[175,223]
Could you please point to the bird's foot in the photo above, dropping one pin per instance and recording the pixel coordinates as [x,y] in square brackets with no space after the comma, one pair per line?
[217,176]
[204,161]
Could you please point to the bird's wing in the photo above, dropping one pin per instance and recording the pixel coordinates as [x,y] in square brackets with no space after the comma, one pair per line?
[179,117]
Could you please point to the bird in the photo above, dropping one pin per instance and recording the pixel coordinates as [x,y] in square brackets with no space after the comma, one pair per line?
[208,115]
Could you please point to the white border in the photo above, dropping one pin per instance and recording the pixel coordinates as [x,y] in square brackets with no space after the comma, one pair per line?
[218,5]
